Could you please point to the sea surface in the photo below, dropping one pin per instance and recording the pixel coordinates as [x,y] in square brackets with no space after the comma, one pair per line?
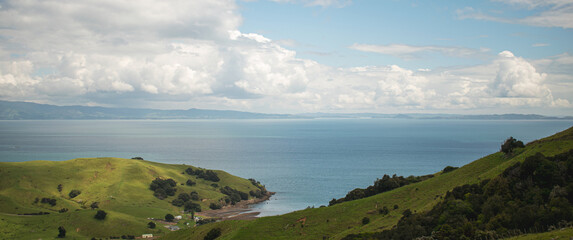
[307,162]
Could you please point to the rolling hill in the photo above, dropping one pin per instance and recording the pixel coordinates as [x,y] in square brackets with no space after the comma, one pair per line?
[121,187]
[341,220]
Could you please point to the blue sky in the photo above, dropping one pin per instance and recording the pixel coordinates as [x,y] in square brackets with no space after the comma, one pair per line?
[326,33]
[291,56]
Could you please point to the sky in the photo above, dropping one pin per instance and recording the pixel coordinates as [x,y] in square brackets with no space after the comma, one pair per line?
[291,56]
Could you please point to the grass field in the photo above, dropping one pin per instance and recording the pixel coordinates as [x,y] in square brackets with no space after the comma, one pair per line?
[337,221]
[120,186]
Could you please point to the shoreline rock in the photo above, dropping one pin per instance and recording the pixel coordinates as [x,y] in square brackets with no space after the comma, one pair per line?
[240,210]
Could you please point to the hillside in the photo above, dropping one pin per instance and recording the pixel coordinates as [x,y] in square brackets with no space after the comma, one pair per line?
[340,220]
[33,111]
[121,187]
[26,110]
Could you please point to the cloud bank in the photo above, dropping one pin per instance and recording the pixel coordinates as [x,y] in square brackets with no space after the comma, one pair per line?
[182,54]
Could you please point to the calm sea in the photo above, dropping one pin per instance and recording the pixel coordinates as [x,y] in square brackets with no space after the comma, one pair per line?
[307,162]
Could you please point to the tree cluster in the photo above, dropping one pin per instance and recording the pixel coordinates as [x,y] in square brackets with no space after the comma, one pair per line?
[385,184]
[235,196]
[262,190]
[510,144]
[163,187]
[208,175]
[185,200]
[51,201]
[532,196]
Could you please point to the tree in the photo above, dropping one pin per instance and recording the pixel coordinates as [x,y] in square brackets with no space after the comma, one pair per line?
[365,220]
[191,206]
[100,215]
[151,225]
[74,193]
[169,217]
[213,234]
[62,232]
[60,187]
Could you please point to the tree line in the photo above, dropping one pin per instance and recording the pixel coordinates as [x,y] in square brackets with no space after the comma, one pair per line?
[533,196]
[208,175]
[385,184]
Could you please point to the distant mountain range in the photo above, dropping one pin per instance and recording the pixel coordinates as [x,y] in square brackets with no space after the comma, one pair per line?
[33,111]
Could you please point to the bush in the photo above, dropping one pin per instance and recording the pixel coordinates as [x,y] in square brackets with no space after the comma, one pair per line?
[215,206]
[60,187]
[151,225]
[365,220]
[100,215]
[61,232]
[213,234]
[169,217]
[74,193]
[449,169]
[190,183]
[384,210]
[94,205]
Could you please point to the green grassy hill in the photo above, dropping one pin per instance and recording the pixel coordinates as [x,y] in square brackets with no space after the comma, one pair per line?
[120,186]
[336,222]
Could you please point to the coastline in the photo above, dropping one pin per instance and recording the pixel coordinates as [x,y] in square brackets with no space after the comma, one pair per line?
[239,211]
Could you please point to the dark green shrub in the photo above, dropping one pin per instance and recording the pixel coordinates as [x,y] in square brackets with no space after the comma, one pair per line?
[213,234]
[449,169]
[61,232]
[100,215]
[215,206]
[74,193]
[151,225]
[169,217]
[365,220]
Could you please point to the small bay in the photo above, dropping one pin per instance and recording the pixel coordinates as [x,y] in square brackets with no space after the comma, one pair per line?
[306,161]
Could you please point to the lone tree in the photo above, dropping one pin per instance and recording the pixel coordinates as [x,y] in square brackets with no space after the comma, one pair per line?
[62,232]
[169,217]
[100,215]
[510,144]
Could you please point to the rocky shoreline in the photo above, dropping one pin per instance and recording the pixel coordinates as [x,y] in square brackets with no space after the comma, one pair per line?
[239,211]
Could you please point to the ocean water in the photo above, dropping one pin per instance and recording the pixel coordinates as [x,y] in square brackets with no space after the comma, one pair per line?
[307,162]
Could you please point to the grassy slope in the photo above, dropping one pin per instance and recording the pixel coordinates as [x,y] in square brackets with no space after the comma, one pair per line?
[119,185]
[345,218]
